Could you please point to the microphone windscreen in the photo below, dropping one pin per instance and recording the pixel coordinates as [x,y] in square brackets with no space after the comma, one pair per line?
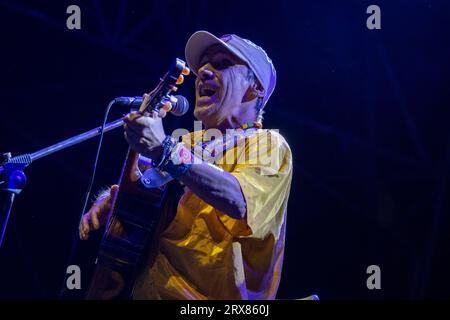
[181,107]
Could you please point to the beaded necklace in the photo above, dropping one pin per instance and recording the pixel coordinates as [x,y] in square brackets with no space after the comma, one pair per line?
[228,141]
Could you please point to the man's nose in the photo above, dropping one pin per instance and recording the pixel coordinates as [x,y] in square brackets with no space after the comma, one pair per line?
[205,72]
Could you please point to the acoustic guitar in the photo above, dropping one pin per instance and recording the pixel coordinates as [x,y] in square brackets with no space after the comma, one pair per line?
[139,213]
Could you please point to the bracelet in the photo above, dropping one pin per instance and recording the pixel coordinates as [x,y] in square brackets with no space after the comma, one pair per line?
[167,145]
[179,161]
[181,155]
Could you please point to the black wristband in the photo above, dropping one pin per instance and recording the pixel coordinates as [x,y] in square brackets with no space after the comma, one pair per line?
[167,145]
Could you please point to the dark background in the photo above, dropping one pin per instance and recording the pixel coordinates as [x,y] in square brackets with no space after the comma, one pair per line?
[365,112]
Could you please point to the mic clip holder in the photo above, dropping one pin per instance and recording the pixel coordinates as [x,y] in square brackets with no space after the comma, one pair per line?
[12,177]
[12,182]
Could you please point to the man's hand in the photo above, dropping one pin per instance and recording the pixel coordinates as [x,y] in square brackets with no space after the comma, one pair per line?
[144,132]
[97,216]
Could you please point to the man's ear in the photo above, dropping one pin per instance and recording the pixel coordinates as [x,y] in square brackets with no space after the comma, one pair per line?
[259,90]
[254,91]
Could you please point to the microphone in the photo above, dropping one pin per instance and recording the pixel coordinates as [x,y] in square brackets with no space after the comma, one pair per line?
[180,105]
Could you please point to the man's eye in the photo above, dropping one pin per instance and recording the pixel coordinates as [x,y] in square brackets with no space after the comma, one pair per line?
[223,64]
[226,63]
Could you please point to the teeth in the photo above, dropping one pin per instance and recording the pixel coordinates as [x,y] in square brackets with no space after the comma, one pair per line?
[207,91]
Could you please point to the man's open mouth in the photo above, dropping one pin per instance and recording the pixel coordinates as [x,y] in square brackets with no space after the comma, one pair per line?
[206,91]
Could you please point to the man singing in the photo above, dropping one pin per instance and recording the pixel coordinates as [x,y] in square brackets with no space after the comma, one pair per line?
[226,240]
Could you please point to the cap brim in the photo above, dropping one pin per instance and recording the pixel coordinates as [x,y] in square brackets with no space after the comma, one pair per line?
[197,45]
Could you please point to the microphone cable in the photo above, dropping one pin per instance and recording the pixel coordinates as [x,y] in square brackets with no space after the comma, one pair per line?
[86,199]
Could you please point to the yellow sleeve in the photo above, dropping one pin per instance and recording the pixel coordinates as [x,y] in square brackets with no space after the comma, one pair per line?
[264,172]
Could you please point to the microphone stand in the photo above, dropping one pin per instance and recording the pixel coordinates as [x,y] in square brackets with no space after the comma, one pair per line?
[13,178]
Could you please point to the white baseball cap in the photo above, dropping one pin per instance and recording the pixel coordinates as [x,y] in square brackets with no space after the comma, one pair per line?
[255,57]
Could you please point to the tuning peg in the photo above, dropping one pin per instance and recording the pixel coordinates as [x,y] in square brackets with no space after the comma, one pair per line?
[186,71]
[180,79]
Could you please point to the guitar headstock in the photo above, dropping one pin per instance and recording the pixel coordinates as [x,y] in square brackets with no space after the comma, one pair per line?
[167,85]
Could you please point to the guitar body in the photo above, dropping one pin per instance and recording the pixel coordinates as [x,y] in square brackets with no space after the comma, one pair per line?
[138,216]
[137,219]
